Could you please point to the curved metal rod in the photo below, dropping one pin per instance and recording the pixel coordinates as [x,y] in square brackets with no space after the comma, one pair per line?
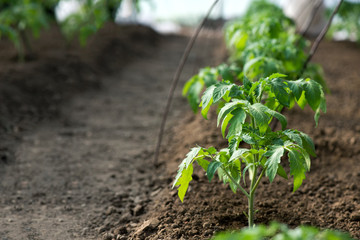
[176,80]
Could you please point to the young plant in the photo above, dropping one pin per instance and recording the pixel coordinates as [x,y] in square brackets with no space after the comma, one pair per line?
[17,18]
[245,117]
[91,16]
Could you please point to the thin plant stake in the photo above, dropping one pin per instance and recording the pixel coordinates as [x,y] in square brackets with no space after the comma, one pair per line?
[176,80]
[320,37]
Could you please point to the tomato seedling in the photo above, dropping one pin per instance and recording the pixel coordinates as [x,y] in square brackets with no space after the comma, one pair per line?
[247,113]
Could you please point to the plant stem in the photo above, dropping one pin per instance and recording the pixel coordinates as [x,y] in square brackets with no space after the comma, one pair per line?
[236,183]
[258,180]
[26,43]
[251,199]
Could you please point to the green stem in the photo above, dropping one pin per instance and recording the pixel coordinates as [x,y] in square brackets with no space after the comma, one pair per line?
[258,180]
[251,199]
[254,185]
[236,183]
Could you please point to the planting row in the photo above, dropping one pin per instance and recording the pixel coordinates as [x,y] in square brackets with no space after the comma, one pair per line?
[266,73]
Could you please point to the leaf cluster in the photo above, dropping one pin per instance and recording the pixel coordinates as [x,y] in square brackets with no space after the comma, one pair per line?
[273,93]
[86,21]
[245,116]
[19,15]
[261,43]
[277,231]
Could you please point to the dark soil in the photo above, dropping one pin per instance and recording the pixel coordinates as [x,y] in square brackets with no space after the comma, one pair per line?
[78,128]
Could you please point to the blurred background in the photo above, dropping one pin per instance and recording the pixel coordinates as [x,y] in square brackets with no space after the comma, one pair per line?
[165,15]
[82,18]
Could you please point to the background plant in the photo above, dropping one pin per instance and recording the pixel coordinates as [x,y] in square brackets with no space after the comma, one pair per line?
[348,20]
[261,43]
[91,16]
[17,18]
[278,231]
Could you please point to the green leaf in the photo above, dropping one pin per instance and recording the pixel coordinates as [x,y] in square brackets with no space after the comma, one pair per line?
[306,157]
[281,172]
[193,94]
[253,88]
[238,153]
[293,136]
[274,158]
[225,110]
[179,173]
[296,168]
[220,91]
[253,65]
[186,162]
[191,155]
[235,172]
[302,101]
[209,76]
[188,84]
[228,107]
[222,176]
[279,116]
[258,112]
[233,186]
[322,107]
[234,144]
[277,75]
[211,150]
[248,138]
[279,88]
[184,181]
[213,166]
[225,72]
[225,123]
[236,122]
[248,166]
[247,84]
[203,163]
[308,144]
[296,87]
[235,91]
[223,155]
[207,100]
[313,93]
